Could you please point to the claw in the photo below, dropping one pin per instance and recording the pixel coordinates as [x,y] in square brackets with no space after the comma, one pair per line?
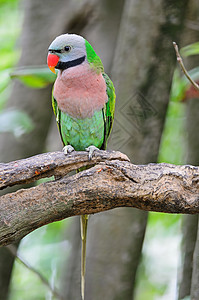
[90,150]
[68,149]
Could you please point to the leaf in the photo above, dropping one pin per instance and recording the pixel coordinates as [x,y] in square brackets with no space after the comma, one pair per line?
[15,121]
[34,77]
[188,50]
[4,79]
[181,84]
[178,87]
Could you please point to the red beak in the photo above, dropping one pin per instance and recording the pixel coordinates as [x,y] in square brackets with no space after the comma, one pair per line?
[52,61]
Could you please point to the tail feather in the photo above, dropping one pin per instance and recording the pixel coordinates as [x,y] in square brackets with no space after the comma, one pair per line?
[83,223]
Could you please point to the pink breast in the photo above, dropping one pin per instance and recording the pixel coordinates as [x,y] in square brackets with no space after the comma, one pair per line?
[80,91]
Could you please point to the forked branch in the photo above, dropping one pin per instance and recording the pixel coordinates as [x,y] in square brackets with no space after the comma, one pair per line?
[112,182]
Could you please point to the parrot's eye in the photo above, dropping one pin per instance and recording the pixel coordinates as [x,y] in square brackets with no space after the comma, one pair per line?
[67,48]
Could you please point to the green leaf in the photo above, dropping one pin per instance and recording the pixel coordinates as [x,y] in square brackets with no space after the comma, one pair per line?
[34,77]
[4,79]
[178,87]
[188,50]
[9,58]
[15,121]
[180,84]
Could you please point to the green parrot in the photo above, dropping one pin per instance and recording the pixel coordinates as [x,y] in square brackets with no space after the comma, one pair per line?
[83,102]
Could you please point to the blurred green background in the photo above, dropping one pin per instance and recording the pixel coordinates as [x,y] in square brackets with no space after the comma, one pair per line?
[46,248]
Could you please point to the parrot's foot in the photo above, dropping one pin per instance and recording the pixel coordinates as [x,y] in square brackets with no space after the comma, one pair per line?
[68,149]
[90,151]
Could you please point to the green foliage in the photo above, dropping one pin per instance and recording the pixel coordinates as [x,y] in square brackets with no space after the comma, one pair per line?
[156,278]
[4,88]
[15,121]
[172,149]
[180,84]
[178,87]
[34,77]
[46,250]
[9,16]
[162,221]
[147,288]
[189,50]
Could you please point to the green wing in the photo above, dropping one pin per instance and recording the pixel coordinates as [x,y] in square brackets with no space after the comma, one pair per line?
[57,113]
[109,109]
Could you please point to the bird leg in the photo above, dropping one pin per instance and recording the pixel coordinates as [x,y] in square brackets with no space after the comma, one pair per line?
[68,149]
[90,151]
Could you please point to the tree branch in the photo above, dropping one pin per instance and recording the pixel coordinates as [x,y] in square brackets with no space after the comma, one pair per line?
[50,164]
[114,182]
[180,61]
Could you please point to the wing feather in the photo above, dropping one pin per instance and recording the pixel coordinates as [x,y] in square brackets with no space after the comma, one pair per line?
[57,113]
[109,109]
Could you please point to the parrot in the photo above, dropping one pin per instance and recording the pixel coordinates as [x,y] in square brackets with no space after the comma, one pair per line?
[83,101]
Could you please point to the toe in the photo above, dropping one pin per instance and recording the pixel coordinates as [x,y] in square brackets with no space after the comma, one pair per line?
[68,149]
[91,150]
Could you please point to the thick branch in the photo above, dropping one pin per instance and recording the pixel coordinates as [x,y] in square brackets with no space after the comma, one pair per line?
[112,183]
[50,164]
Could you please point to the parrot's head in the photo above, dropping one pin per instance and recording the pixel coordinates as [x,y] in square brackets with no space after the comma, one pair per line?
[65,51]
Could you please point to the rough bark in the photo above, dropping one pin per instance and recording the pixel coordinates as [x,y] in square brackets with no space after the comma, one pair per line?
[38,31]
[142,72]
[76,21]
[192,123]
[101,32]
[34,102]
[43,20]
[110,184]
[50,164]
[190,223]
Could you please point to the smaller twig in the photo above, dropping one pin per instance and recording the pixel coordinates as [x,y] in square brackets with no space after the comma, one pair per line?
[13,251]
[180,61]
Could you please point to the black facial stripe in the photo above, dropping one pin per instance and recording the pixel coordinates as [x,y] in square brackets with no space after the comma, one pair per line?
[68,64]
[54,51]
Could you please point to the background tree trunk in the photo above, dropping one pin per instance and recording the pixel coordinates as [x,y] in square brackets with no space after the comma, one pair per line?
[189,230]
[34,102]
[189,273]
[142,73]
[38,31]
[103,36]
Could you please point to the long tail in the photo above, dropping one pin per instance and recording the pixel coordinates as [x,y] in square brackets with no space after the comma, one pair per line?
[83,223]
